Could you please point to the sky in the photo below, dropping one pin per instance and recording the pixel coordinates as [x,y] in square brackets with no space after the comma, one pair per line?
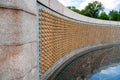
[80,4]
[112,73]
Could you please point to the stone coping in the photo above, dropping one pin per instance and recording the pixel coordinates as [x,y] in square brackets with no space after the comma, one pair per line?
[58,7]
[75,53]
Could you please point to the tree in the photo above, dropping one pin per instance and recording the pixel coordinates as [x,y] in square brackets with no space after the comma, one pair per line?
[103,16]
[93,9]
[113,15]
[73,8]
[119,16]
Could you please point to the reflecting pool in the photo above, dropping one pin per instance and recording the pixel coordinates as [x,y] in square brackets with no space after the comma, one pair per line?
[98,64]
[111,73]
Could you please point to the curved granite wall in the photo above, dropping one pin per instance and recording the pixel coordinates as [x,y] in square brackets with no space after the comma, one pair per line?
[61,34]
[62,30]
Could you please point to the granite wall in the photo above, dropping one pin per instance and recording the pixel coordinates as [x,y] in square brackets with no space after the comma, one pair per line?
[62,31]
[18,51]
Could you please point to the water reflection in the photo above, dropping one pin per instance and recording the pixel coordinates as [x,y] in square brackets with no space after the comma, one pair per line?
[112,73]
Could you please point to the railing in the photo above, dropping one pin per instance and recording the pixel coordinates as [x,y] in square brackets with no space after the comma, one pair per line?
[59,35]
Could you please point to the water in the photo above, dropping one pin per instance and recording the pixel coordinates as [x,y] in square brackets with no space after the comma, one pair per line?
[111,73]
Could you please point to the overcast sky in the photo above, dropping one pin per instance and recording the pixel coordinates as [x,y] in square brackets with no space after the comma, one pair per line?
[80,4]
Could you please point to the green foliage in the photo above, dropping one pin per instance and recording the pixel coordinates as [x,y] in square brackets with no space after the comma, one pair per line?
[93,9]
[74,9]
[103,16]
[71,7]
[86,13]
[119,15]
[113,15]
